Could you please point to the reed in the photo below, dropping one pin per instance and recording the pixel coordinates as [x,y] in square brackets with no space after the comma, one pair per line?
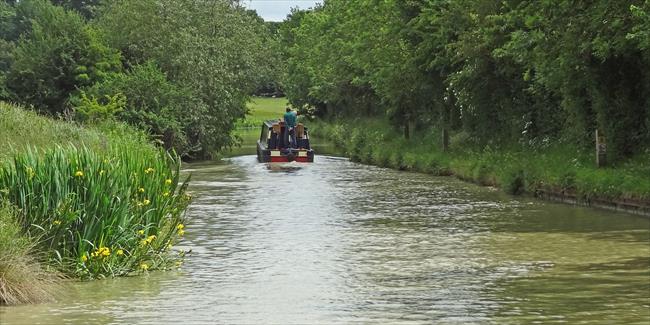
[23,279]
[99,213]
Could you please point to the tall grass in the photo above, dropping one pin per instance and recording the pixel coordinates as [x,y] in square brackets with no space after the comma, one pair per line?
[22,278]
[98,214]
[516,168]
[21,129]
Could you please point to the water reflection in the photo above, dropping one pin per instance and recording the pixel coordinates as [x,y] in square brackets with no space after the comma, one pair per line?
[338,242]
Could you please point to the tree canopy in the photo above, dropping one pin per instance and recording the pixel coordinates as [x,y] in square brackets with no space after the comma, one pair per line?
[186,68]
[500,71]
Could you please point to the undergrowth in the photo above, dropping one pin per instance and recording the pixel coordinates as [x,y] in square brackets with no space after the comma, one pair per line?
[516,168]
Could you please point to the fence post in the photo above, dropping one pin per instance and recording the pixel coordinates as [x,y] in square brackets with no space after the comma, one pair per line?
[445,140]
[601,150]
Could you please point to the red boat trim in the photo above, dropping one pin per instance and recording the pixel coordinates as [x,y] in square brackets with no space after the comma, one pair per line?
[279,159]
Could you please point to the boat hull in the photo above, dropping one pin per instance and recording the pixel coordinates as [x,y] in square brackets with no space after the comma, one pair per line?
[284,155]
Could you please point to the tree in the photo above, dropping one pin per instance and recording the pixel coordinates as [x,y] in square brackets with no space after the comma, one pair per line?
[168,111]
[56,54]
[215,48]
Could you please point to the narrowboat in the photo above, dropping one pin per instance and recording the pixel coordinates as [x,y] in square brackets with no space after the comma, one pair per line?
[275,144]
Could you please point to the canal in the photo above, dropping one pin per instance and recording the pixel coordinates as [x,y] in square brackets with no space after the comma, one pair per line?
[339,242]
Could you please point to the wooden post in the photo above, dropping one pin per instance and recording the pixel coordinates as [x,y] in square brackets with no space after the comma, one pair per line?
[407,130]
[445,140]
[601,150]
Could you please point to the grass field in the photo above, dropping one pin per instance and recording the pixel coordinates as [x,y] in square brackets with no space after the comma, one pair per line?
[262,109]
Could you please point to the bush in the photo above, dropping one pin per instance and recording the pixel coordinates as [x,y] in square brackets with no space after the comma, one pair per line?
[93,110]
[99,214]
[57,54]
[170,113]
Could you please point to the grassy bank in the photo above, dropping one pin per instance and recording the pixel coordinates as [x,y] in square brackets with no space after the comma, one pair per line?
[517,169]
[261,109]
[89,202]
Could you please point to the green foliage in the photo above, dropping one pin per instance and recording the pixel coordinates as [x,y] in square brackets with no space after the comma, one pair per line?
[219,51]
[87,8]
[186,68]
[21,129]
[517,169]
[22,278]
[57,53]
[500,71]
[91,109]
[99,215]
[170,113]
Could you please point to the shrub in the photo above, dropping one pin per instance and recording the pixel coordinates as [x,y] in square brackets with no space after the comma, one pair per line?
[56,54]
[170,113]
[92,109]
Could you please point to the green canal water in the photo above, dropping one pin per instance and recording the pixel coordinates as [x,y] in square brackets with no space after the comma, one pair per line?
[336,242]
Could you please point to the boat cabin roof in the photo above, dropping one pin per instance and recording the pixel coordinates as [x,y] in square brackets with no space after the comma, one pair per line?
[269,123]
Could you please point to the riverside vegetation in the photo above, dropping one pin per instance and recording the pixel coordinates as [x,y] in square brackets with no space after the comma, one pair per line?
[86,202]
[520,87]
[516,169]
[109,95]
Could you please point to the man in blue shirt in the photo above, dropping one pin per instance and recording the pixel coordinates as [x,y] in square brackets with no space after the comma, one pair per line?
[290,118]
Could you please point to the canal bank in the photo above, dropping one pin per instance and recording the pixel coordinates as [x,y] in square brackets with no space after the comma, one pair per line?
[557,173]
[336,242]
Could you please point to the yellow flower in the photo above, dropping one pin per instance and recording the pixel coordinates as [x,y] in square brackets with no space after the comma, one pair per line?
[30,172]
[101,172]
[150,239]
[141,232]
[56,222]
[101,252]
[144,266]
[168,181]
[84,257]
[148,170]
[79,174]
[166,194]
[180,226]
[181,232]
[119,252]
[144,242]
[146,202]
[141,190]
[169,246]
[179,263]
